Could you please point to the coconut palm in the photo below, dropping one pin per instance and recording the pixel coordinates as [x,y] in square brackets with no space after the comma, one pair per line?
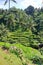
[9,2]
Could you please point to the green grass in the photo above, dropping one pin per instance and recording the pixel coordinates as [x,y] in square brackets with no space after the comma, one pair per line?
[28,51]
[12,59]
[31,54]
[9,58]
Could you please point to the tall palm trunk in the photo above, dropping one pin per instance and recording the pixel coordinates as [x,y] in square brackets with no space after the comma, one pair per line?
[9,4]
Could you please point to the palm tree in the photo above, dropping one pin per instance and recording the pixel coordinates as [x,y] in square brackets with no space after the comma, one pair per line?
[9,2]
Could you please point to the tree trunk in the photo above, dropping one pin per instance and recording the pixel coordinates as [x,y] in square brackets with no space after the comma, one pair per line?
[9,4]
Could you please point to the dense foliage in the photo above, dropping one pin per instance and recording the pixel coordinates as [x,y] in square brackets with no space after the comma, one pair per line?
[18,20]
[24,27]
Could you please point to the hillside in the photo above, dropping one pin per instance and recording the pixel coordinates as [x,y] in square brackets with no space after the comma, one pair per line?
[19,55]
[21,32]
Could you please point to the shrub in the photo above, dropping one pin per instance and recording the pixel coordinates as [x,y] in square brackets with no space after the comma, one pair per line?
[37,60]
[16,50]
[6,46]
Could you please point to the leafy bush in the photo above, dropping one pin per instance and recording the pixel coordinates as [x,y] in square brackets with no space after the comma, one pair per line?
[16,50]
[41,51]
[6,46]
[37,60]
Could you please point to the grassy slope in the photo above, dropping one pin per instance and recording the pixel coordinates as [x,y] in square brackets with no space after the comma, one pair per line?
[9,59]
[28,51]
[12,59]
[31,53]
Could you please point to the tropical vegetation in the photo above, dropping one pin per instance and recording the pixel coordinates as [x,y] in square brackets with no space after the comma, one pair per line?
[21,33]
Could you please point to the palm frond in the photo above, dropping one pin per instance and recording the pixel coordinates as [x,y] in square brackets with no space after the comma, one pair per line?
[5,2]
[14,1]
